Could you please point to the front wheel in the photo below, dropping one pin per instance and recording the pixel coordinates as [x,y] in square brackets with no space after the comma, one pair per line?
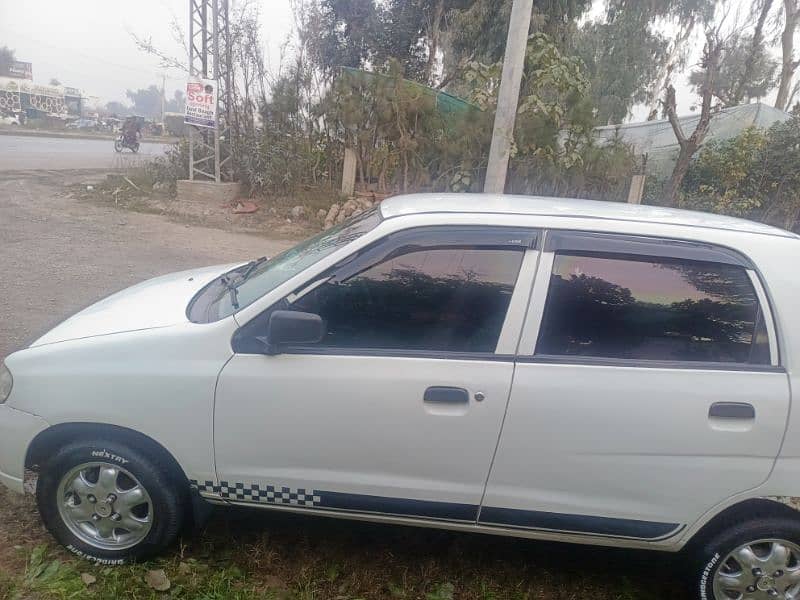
[756,560]
[108,502]
[118,146]
[135,147]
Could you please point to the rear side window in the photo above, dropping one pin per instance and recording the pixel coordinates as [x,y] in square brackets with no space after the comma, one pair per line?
[440,298]
[652,308]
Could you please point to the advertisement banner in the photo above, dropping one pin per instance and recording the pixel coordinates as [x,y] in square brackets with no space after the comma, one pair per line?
[19,69]
[201,103]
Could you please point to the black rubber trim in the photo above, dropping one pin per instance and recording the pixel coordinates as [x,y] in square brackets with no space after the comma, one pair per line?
[549,359]
[438,394]
[634,245]
[531,519]
[390,353]
[450,511]
[732,410]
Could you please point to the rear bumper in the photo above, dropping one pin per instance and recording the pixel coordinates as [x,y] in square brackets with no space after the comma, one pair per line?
[17,430]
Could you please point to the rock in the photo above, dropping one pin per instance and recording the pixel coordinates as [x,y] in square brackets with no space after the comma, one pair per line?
[333,213]
[157,580]
[88,579]
[321,214]
[298,211]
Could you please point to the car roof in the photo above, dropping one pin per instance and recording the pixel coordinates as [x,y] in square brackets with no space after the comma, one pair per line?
[567,207]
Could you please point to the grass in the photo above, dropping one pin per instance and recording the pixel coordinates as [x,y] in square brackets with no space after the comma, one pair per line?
[264,555]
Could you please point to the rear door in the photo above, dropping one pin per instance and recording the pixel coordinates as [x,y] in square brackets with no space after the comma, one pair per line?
[647,391]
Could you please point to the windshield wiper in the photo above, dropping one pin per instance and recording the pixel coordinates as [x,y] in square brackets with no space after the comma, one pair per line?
[231,287]
[251,266]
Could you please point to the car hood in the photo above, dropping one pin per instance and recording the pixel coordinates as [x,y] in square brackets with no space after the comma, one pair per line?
[157,302]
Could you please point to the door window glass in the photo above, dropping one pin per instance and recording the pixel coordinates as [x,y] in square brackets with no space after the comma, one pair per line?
[436,298]
[615,306]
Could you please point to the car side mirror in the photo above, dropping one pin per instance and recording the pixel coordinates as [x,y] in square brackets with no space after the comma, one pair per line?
[292,327]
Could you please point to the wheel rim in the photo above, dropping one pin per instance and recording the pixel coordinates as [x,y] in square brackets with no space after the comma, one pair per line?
[764,569]
[105,506]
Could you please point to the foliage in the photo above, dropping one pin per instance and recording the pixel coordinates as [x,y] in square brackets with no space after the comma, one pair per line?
[7,56]
[754,175]
[732,80]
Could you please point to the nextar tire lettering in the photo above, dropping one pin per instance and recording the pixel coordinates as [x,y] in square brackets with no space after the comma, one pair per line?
[704,578]
[107,455]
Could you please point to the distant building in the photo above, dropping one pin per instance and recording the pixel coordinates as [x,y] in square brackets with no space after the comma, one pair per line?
[657,141]
[22,95]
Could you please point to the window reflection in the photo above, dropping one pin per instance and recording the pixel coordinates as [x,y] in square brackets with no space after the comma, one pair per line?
[451,299]
[651,309]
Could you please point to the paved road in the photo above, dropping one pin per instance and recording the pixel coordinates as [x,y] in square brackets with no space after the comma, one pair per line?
[20,153]
[58,254]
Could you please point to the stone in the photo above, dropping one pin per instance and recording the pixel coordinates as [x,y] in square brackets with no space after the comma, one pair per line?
[207,193]
[321,214]
[298,212]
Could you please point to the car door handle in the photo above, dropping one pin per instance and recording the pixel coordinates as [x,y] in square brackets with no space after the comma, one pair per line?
[732,410]
[446,395]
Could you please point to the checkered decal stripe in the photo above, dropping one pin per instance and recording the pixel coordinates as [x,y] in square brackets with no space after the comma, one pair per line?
[269,494]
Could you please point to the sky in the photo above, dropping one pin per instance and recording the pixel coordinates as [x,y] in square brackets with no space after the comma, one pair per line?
[88,44]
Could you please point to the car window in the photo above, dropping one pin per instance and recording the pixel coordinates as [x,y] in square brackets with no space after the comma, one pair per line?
[215,302]
[444,299]
[612,306]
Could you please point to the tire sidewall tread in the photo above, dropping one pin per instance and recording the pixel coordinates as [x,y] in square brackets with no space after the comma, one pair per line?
[167,501]
[711,553]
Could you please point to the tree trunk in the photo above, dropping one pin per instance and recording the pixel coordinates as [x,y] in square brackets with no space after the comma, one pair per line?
[788,64]
[689,145]
[758,39]
[434,35]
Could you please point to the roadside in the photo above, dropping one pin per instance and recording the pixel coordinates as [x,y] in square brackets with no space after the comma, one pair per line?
[62,252]
[78,135]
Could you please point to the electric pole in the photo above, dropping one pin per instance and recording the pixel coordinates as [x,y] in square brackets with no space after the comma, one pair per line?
[508,99]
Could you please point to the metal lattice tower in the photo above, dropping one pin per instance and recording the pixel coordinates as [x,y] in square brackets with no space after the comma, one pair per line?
[210,58]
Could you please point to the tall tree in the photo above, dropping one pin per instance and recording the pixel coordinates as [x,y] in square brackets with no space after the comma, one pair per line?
[146,101]
[756,51]
[688,145]
[791,19]
[6,58]
[746,71]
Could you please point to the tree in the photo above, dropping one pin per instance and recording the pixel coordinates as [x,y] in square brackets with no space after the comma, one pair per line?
[791,19]
[54,81]
[712,54]
[756,50]
[146,102]
[747,71]
[6,58]
[117,108]
[177,103]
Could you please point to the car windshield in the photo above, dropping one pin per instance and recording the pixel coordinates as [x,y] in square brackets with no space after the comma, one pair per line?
[245,284]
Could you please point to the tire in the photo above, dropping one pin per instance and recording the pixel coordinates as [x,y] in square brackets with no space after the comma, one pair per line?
[764,538]
[65,498]
[118,145]
[135,147]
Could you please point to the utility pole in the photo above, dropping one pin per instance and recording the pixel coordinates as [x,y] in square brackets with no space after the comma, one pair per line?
[508,99]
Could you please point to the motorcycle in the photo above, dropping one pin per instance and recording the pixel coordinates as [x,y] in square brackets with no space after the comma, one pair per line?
[124,141]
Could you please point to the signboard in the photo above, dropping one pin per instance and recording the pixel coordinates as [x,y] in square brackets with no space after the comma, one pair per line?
[201,103]
[19,69]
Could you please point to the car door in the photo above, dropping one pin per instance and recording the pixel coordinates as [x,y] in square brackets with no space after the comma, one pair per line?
[398,409]
[648,389]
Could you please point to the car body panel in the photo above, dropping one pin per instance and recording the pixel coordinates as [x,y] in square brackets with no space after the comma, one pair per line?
[157,302]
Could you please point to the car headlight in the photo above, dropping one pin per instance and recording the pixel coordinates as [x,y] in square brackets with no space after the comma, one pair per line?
[6,382]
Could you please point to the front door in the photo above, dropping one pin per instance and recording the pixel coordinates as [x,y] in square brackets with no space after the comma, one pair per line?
[398,409]
[650,392]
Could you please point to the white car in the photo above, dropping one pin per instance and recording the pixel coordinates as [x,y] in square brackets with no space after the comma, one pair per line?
[568,370]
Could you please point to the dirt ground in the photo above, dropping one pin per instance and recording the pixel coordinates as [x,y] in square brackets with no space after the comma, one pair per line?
[58,254]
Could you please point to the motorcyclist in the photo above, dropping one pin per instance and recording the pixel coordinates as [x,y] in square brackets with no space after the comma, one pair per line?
[131,130]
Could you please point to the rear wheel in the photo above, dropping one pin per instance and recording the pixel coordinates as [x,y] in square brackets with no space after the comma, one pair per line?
[108,502]
[756,560]
[135,147]
[118,145]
